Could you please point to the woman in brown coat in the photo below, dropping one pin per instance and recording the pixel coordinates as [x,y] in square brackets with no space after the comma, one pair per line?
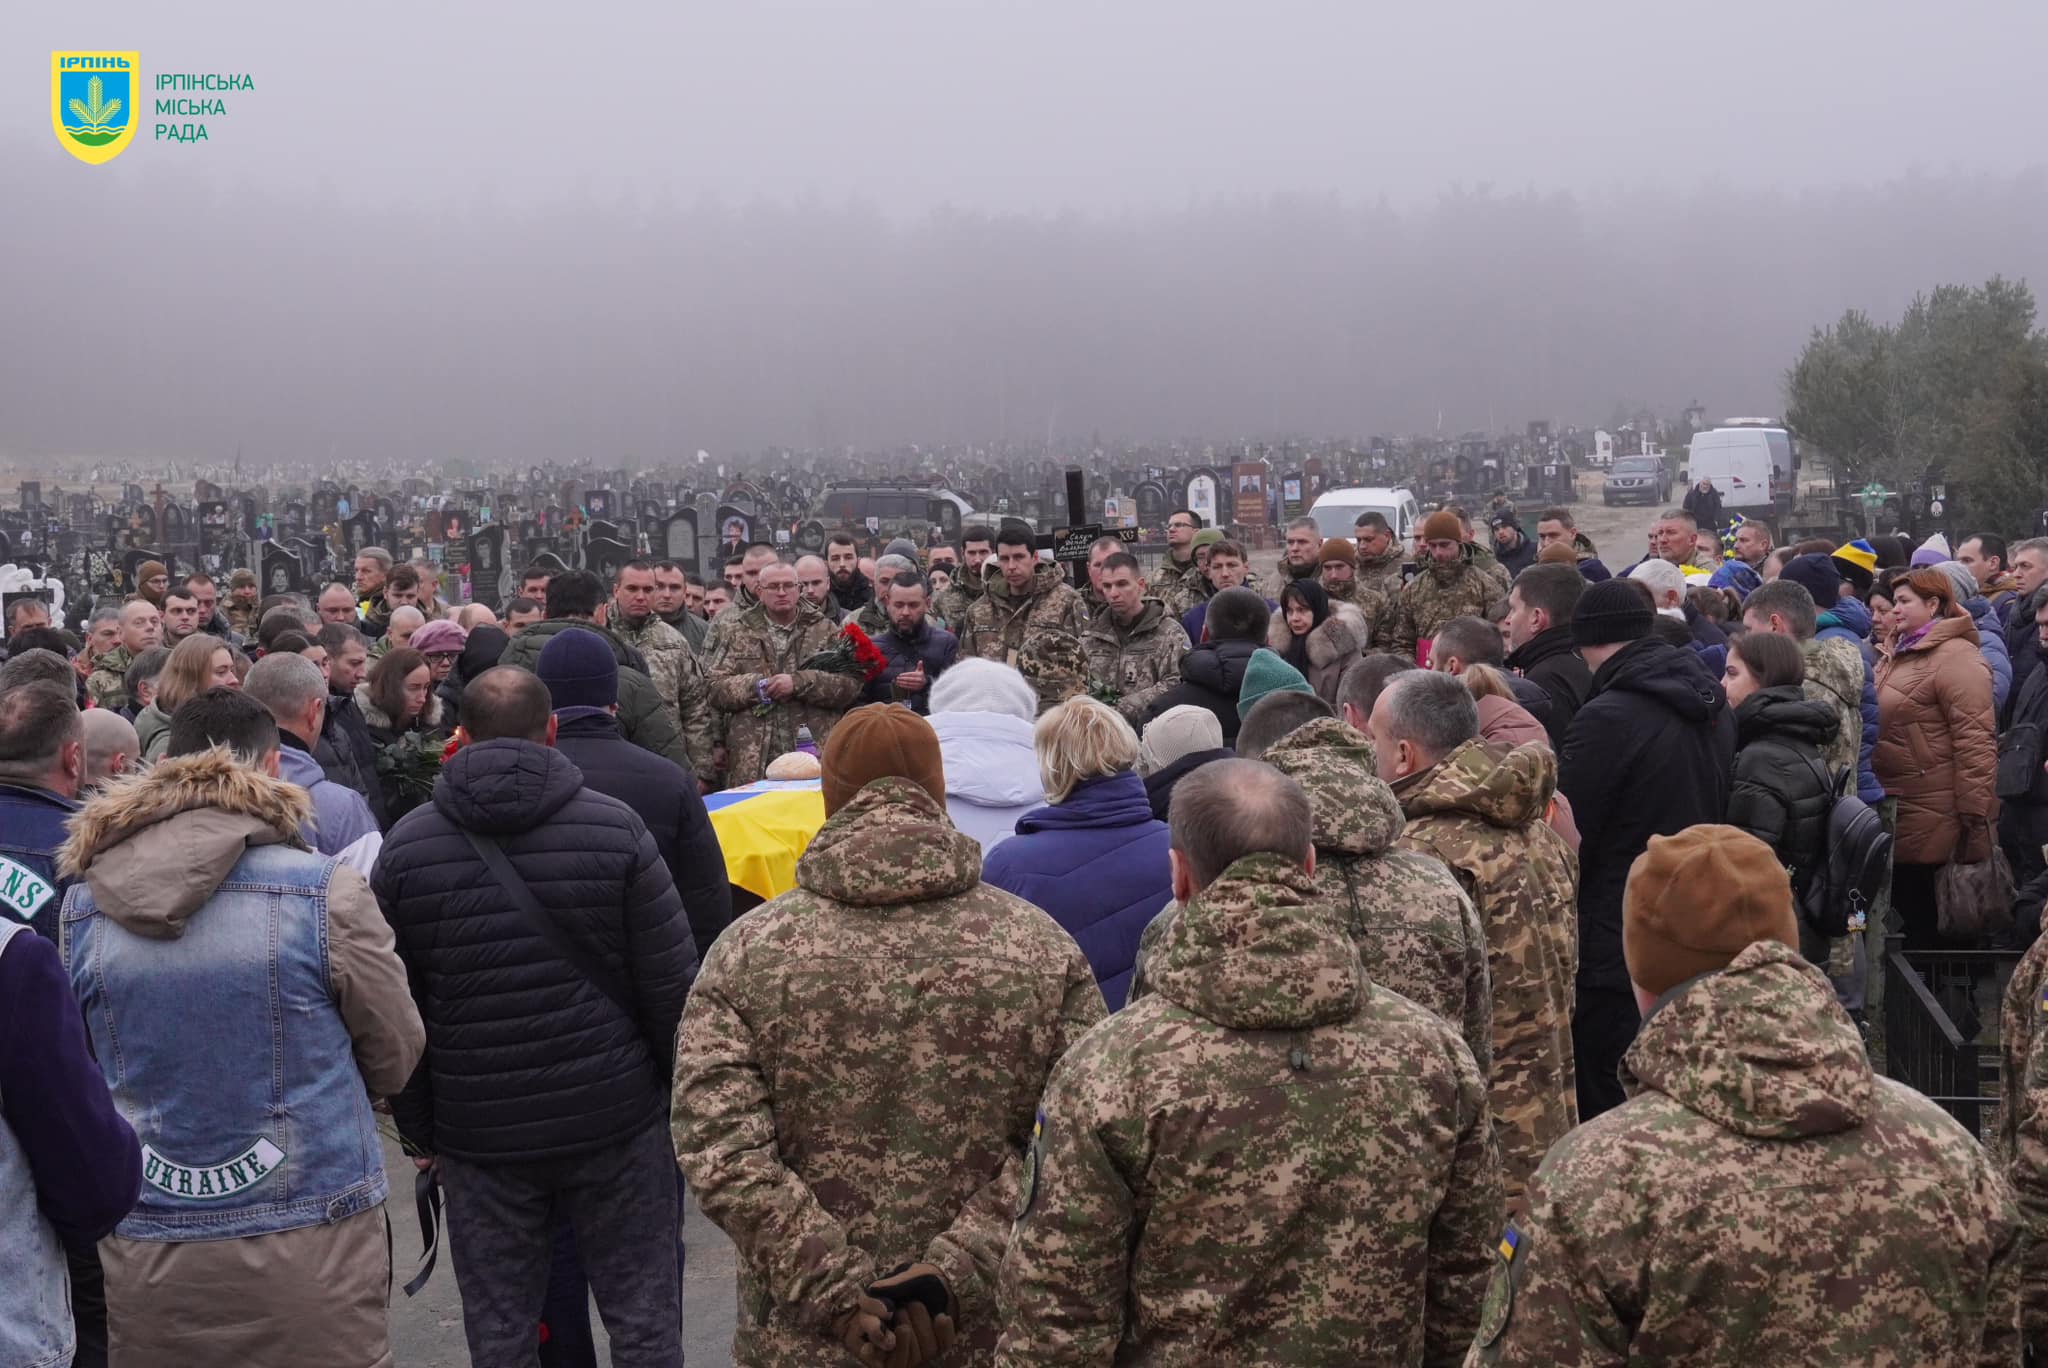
[1937,745]
[1316,636]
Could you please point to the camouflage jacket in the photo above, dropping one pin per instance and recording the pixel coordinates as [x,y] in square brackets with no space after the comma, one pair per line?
[1436,596]
[951,606]
[1481,811]
[2021,1146]
[1489,563]
[1762,1198]
[1141,661]
[1415,928]
[107,685]
[1834,676]
[1382,572]
[1375,607]
[678,677]
[1001,625]
[857,1069]
[241,618]
[1180,586]
[1268,1160]
[749,651]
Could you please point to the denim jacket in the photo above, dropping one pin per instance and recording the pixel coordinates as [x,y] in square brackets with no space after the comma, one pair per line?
[31,829]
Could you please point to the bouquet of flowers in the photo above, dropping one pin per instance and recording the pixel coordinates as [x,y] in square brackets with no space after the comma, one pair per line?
[1104,691]
[852,653]
[411,763]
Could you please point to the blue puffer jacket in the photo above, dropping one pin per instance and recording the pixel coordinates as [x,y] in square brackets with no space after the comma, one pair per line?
[1991,642]
[1097,864]
[1849,620]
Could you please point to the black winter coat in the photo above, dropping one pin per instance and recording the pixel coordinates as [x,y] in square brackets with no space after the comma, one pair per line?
[1549,659]
[526,1059]
[1781,792]
[2022,643]
[933,647]
[1210,677]
[1649,754]
[1517,559]
[2023,797]
[350,757]
[1159,784]
[666,799]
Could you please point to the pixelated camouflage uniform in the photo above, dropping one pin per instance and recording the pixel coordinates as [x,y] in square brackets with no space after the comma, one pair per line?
[1834,676]
[2021,1145]
[1001,624]
[1489,564]
[1141,661]
[951,606]
[678,677]
[1267,1160]
[1056,667]
[1762,1199]
[751,649]
[1481,811]
[1436,596]
[1375,607]
[241,618]
[1382,572]
[107,685]
[857,1070]
[1178,585]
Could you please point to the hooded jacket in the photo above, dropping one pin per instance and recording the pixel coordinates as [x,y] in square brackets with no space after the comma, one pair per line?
[1936,750]
[1549,660]
[1711,1219]
[1211,676]
[340,815]
[991,773]
[1651,753]
[152,732]
[1416,930]
[196,922]
[1332,645]
[645,717]
[1203,1157]
[1097,864]
[1782,793]
[1849,621]
[1440,593]
[1480,811]
[527,1060]
[857,1072]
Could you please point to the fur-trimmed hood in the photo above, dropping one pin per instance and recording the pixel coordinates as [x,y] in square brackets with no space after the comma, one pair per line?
[377,719]
[153,846]
[1339,636]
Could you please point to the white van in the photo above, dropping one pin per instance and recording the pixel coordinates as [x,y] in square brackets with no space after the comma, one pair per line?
[1738,461]
[1336,511]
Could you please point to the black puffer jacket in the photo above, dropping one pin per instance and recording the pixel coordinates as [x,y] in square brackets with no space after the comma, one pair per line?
[1780,793]
[666,799]
[1210,677]
[1649,754]
[1548,659]
[526,1059]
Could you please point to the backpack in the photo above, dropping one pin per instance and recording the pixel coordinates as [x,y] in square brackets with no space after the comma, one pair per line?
[1854,867]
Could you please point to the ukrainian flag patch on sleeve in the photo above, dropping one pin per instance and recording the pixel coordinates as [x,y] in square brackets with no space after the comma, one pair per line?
[1511,1240]
[2044,997]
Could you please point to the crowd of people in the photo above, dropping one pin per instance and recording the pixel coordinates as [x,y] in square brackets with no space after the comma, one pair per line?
[1435,956]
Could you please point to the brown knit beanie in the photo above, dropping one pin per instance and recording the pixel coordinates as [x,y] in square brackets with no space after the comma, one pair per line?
[1442,525]
[1337,549]
[1558,553]
[880,741]
[1698,899]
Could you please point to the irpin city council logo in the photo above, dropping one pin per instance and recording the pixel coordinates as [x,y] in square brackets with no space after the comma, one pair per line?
[93,99]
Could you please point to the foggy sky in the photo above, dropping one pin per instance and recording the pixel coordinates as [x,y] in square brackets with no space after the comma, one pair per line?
[528,231]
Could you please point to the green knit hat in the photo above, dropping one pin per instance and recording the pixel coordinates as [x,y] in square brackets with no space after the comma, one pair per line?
[1208,536]
[1267,673]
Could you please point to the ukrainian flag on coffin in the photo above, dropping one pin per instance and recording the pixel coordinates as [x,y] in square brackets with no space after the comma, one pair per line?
[763,828]
[94,99]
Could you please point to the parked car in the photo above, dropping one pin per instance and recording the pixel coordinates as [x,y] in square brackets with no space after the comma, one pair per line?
[1633,478]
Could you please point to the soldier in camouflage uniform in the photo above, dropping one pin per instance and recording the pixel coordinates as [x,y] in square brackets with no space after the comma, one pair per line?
[1450,585]
[141,630]
[2021,1146]
[1133,645]
[857,1069]
[1177,580]
[1267,1160]
[1762,1198]
[1479,808]
[977,549]
[759,648]
[1027,599]
[677,672]
[240,608]
[1379,554]
[1340,581]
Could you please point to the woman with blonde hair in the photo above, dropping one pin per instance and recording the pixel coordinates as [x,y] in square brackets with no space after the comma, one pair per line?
[1937,745]
[1094,857]
[198,663]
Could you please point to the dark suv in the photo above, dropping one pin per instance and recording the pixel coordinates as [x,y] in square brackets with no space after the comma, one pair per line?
[1637,478]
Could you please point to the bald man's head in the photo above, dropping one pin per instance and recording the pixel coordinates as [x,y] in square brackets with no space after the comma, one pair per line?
[507,703]
[111,746]
[1238,808]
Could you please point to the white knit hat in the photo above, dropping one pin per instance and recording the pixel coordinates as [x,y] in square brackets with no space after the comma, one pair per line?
[1178,731]
[976,685]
